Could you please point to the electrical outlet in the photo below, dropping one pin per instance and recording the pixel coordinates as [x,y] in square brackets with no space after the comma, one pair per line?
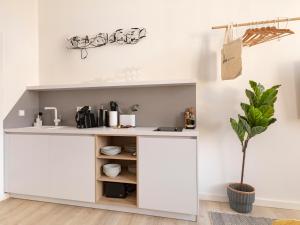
[21,112]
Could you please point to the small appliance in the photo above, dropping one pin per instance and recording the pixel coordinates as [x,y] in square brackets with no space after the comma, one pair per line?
[117,190]
[84,118]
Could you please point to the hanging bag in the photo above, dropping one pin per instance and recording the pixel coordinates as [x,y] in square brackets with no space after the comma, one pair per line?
[231,64]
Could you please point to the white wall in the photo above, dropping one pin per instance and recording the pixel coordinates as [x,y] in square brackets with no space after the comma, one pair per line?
[181,45]
[18,56]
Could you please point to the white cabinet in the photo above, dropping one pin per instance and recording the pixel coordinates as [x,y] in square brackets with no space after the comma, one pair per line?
[167,174]
[26,167]
[55,166]
[72,167]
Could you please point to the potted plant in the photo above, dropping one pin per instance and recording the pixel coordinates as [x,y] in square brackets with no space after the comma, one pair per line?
[258,116]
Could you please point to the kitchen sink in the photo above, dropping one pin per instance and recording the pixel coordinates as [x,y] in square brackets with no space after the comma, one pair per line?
[48,127]
[169,129]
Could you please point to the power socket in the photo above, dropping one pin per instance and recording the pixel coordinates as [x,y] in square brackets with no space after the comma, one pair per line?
[21,112]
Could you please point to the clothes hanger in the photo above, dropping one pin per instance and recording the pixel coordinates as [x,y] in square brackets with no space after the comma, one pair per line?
[264,34]
[274,33]
[254,36]
[260,33]
[249,34]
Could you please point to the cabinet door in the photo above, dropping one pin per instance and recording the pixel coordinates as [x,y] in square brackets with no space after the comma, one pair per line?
[167,174]
[72,162]
[26,164]
[55,166]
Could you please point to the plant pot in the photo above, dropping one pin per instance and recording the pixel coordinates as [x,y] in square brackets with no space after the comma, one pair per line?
[241,197]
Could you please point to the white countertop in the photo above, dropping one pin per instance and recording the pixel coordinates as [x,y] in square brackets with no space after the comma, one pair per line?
[138,131]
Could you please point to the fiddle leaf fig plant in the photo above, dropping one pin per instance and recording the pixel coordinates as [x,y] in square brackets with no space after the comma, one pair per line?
[258,115]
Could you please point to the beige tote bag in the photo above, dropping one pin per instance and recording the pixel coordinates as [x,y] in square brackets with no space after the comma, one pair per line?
[231,65]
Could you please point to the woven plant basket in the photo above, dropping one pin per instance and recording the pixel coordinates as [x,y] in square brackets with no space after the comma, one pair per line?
[241,197]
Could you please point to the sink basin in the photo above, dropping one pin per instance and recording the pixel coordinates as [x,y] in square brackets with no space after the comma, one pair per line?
[48,127]
[170,129]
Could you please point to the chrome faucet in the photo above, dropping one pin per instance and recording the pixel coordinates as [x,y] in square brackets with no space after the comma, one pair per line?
[56,120]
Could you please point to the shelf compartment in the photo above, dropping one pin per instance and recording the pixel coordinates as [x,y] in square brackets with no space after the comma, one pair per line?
[124,177]
[121,156]
[129,201]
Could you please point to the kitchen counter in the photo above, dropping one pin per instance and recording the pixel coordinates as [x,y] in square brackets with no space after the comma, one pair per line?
[138,131]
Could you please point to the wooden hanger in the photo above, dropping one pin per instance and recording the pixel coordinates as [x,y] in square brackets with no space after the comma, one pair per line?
[264,34]
[260,35]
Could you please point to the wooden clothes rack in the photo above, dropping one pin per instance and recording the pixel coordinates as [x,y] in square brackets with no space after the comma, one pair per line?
[257,23]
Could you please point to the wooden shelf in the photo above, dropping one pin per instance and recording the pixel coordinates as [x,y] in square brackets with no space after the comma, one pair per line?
[129,201]
[124,177]
[121,156]
[102,85]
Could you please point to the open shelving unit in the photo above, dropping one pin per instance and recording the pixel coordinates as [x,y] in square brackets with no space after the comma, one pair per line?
[125,177]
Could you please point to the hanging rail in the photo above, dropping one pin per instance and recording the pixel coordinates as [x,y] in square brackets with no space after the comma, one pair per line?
[258,22]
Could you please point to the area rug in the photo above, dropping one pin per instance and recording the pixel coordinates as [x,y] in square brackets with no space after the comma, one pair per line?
[218,218]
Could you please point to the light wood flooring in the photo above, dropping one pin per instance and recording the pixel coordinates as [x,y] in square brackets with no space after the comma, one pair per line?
[24,212]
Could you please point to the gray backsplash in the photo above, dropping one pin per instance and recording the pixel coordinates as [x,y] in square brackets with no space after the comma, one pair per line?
[159,106]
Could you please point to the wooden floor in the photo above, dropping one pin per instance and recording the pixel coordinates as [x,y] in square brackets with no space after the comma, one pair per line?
[24,212]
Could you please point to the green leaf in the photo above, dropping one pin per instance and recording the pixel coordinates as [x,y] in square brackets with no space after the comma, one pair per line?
[268,97]
[245,107]
[251,96]
[245,124]
[253,84]
[276,86]
[254,116]
[258,130]
[257,88]
[264,122]
[271,121]
[239,129]
[267,111]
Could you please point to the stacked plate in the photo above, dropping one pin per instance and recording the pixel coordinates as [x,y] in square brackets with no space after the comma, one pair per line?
[110,150]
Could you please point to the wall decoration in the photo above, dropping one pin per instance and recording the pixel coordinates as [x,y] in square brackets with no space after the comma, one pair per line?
[120,36]
[131,36]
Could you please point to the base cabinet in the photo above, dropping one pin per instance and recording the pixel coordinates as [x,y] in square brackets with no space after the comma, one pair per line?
[68,167]
[26,164]
[55,166]
[167,174]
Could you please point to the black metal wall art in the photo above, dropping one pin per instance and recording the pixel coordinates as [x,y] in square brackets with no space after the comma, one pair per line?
[120,36]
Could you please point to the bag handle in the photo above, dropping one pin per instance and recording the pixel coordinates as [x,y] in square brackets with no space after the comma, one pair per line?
[228,37]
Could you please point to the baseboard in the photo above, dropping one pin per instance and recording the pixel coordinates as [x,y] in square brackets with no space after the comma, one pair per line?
[4,197]
[258,201]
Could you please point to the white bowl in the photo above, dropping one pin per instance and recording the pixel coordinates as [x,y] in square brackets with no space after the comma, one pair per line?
[112,170]
[110,150]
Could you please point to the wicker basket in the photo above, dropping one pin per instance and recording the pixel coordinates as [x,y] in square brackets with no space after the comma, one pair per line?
[241,197]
